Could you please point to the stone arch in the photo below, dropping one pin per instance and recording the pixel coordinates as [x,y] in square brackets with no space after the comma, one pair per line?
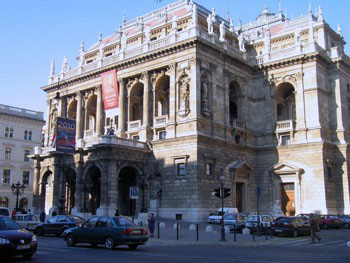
[70,178]
[127,177]
[285,101]
[161,100]
[236,102]
[91,109]
[92,178]
[136,101]
[4,201]
[72,110]
[46,191]
[23,204]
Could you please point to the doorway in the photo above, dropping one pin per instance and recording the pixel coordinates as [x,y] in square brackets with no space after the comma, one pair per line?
[127,178]
[239,196]
[288,199]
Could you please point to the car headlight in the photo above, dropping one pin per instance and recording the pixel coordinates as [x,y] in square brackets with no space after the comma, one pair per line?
[34,239]
[4,241]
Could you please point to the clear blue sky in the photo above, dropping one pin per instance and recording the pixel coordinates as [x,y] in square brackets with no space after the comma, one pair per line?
[33,32]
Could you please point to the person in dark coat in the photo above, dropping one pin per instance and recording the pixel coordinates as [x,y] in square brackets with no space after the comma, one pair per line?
[315,227]
[116,213]
[42,216]
[151,224]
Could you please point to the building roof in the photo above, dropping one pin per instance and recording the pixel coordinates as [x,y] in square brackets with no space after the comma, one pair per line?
[21,112]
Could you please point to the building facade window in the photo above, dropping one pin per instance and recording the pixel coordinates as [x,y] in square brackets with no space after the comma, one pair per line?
[6,176]
[162,135]
[26,153]
[25,137]
[181,169]
[4,201]
[25,177]
[285,140]
[29,135]
[7,153]
[7,132]
[11,133]
[209,169]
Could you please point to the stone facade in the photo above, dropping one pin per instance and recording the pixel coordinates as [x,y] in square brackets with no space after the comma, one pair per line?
[20,132]
[264,104]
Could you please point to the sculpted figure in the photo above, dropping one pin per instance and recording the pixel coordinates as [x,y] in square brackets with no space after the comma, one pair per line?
[64,65]
[222,31]
[184,94]
[241,43]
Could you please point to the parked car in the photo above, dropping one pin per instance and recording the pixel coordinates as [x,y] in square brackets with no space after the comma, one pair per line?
[29,222]
[330,221]
[235,219]
[346,221]
[4,211]
[216,218]
[109,231]
[291,226]
[264,221]
[58,224]
[14,240]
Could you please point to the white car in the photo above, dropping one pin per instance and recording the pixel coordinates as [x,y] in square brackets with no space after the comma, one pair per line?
[27,221]
[4,211]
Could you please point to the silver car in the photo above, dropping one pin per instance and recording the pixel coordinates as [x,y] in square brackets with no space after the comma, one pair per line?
[27,221]
[235,219]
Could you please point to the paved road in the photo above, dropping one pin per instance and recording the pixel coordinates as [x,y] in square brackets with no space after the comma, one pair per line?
[331,249]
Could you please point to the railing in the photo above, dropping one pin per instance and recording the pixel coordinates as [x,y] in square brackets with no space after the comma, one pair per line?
[90,66]
[134,52]
[21,112]
[284,126]
[160,120]
[124,142]
[132,125]
[111,59]
[159,43]
[89,133]
[236,124]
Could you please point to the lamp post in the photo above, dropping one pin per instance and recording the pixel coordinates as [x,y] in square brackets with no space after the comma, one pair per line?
[222,181]
[143,208]
[17,189]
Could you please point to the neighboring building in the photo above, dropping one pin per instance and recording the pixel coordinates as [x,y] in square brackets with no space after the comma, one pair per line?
[266,104]
[20,132]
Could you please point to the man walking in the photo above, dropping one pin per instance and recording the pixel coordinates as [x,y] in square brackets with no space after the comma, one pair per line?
[315,227]
[151,224]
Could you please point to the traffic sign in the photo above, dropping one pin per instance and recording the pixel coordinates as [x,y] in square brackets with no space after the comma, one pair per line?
[133,192]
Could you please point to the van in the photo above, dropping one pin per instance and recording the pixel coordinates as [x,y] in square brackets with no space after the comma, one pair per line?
[4,211]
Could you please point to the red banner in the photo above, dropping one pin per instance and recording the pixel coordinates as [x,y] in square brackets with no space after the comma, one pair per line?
[110,89]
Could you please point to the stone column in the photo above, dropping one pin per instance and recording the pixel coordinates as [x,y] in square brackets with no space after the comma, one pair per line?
[78,196]
[99,112]
[47,132]
[36,197]
[79,115]
[145,99]
[102,210]
[121,120]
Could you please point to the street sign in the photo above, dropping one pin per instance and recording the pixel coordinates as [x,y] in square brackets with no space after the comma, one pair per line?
[133,192]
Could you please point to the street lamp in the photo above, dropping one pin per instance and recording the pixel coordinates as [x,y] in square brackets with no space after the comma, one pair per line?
[17,189]
[222,181]
[143,186]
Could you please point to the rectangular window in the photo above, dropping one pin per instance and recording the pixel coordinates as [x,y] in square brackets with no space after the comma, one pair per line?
[7,153]
[181,169]
[25,177]
[108,55]
[162,135]
[6,176]
[209,169]
[11,132]
[285,140]
[30,135]
[7,132]
[25,135]
[136,138]
[26,153]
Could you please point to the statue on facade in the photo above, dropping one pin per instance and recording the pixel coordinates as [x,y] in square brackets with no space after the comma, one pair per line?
[211,20]
[241,43]
[53,121]
[297,35]
[222,32]
[147,33]
[81,54]
[205,98]
[64,65]
[267,40]
[184,94]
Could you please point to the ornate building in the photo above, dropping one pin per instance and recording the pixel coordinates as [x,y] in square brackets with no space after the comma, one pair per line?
[265,104]
[20,132]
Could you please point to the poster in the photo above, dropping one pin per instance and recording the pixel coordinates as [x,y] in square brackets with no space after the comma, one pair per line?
[110,89]
[65,137]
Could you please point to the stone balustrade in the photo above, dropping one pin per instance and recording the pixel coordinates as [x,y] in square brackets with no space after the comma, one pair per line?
[284,126]
[132,125]
[160,121]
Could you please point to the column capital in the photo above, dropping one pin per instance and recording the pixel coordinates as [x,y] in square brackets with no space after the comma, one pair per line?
[98,88]
[145,76]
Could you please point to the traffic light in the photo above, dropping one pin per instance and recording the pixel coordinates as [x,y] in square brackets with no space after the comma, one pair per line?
[227,192]
[217,192]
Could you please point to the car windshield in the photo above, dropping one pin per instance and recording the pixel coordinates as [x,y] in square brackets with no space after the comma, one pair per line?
[4,212]
[122,221]
[8,224]
[284,220]
[30,218]
[77,219]
[252,218]
[229,217]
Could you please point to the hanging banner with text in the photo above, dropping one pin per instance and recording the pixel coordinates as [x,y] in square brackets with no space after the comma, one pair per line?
[65,137]
[110,89]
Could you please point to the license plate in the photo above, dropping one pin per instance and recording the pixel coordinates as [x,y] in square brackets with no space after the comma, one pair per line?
[136,231]
[22,247]
[278,230]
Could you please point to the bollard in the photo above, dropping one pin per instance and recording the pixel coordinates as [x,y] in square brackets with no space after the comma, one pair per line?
[253,234]
[197,232]
[158,230]
[234,233]
[266,231]
[177,231]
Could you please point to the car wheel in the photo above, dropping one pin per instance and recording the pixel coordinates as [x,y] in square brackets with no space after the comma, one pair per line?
[109,243]
[27,256]
[70,240]
[295,233]
[132,247]
[39,231]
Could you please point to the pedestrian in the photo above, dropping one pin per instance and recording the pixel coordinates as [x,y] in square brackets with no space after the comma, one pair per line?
[151,224]
[29,212]
[315,227]
[42,216]
[116,212]
[13,214]
[54,213]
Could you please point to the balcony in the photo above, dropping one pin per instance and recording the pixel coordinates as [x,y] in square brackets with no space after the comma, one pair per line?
[89,133]
[284,126]
[160,121]
[134,125]
[237,124]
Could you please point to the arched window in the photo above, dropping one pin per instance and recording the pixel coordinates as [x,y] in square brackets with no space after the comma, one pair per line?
[7,132]
[25,135]
[280,112]
[4,202]
[23,204]
[285,102]
[30,136]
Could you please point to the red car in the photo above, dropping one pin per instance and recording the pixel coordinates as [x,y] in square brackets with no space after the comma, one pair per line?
[330,221]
